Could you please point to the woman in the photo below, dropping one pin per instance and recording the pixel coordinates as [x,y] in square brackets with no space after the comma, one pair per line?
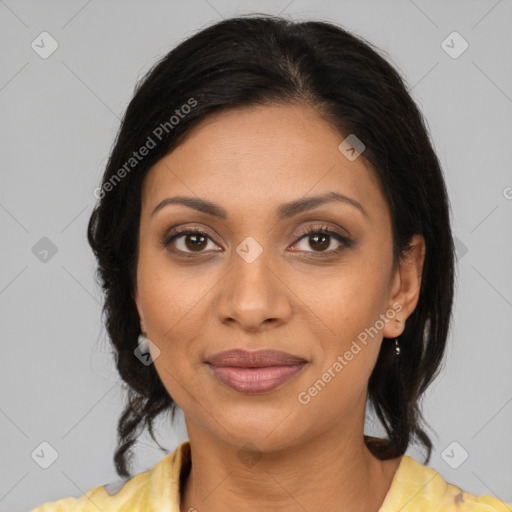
[273,238]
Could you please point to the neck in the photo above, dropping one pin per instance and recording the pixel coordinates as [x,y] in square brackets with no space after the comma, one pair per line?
[332,472]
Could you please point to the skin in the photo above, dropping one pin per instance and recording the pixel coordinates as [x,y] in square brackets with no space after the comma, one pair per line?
[249,161]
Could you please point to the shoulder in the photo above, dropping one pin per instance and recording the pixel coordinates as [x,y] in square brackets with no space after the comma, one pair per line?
[419,488]
[116,493]
[134,494]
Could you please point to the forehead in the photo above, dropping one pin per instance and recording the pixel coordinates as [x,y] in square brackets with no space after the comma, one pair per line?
[255,156]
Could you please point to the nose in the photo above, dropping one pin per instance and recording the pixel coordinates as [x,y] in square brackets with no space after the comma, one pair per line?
[253,295]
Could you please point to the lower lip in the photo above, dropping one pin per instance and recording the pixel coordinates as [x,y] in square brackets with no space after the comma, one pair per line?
[255,380]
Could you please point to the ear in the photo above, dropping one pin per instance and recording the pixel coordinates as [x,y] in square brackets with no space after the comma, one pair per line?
[406,286]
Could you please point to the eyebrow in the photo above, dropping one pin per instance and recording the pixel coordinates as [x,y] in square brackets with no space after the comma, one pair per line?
[284,211]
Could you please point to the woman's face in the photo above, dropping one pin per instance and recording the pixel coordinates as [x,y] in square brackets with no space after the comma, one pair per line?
[253,281]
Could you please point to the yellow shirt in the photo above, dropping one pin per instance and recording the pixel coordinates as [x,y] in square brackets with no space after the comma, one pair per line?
[415,488]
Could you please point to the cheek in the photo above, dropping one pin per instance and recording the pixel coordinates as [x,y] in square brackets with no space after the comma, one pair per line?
[171,295]
[349,303]
[175,333]
[348,299]
[340,382]
[174,302]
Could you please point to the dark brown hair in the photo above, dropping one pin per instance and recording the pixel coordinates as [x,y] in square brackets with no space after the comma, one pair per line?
[263,59]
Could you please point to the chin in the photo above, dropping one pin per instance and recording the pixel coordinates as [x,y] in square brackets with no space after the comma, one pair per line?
[267,432]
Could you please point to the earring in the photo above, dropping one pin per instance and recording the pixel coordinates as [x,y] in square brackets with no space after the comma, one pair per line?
[142,351]
[143,342]
[397,346]
[147,351]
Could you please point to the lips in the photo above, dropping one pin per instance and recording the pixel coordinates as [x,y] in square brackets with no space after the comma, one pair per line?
[259,359]
[255,372]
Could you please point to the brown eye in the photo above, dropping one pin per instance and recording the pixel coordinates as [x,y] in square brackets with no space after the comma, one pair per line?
[195,241]
[187,241]
[319,239]
[320,242]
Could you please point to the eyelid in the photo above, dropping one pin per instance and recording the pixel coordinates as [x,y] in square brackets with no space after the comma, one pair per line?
[172,234]
[345,240]
[322,225]
[174,231]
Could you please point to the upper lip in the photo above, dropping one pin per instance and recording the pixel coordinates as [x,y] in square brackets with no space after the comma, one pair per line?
[261,358]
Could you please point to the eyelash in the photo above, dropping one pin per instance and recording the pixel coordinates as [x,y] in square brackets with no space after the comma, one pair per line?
[312,230]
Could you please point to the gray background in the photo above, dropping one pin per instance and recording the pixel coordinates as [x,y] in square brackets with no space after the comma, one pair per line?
[59,118]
